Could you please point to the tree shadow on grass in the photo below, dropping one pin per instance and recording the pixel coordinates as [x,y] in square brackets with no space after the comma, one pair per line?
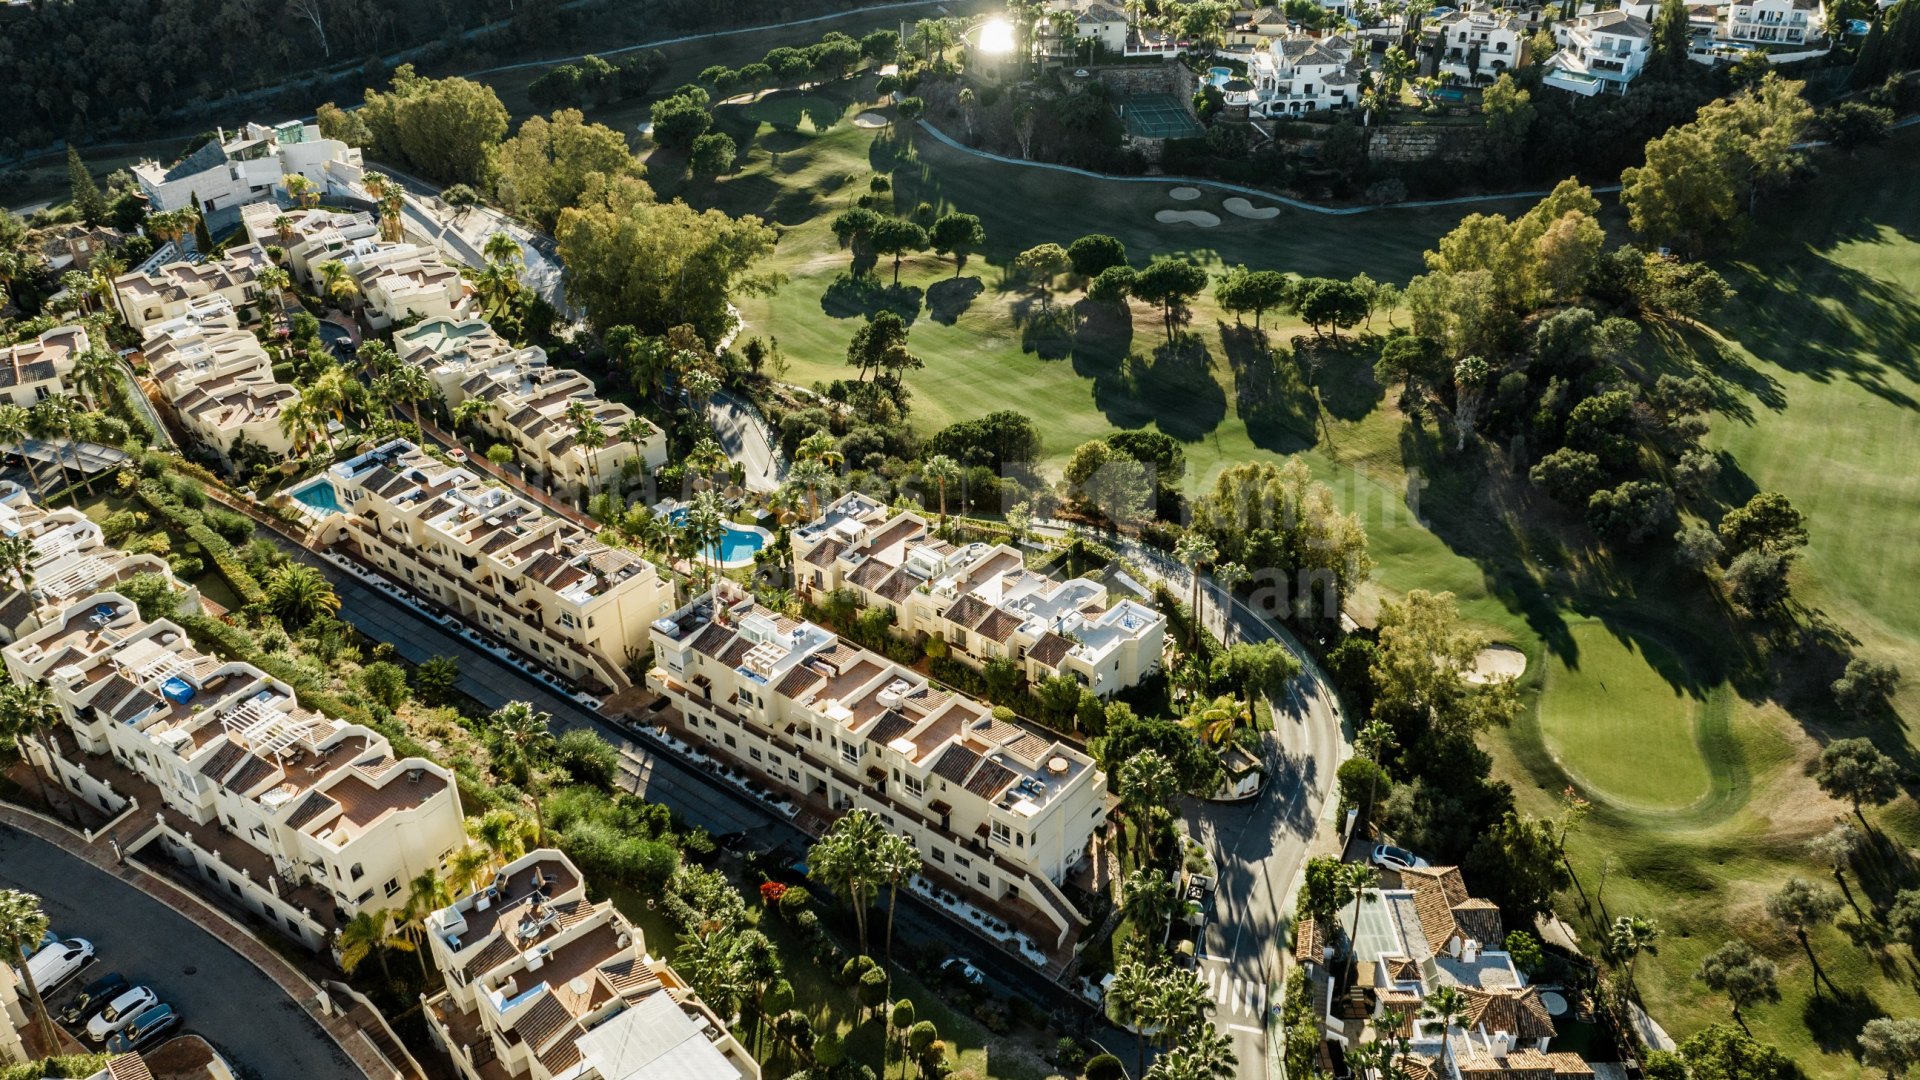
[1343,371]
[1827,321]
[865,295]
[1835,1018]
[1177,384]
[1048,333]
[1279,417]
[949,298]
[1102,337]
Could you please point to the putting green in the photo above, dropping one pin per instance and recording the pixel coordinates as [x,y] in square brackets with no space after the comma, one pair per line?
[1619,727]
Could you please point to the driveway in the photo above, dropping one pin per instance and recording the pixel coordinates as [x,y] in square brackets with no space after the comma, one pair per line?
[244,1014]
[738,428]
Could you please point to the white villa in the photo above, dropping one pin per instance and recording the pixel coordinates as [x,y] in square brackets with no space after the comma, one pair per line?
[177,288]
[36,368]
[1775,22]
[1475,45]
[1604,51]
[1300,74]
[218,380]
[232,171]
[1099,20]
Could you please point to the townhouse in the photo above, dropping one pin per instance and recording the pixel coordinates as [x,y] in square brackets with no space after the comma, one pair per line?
[36,369]
[528,402]
[1475,45]
[1298,74]
[1000,814]
[542,983]
[978,599]
[400,280]
[172,289]
[74,245]
[1775,22]
[535,581]
[71,559]
[308,236]
[1602,52]
[293,816]
[1257,26]
[230,171]
[1409,939]
[218,381]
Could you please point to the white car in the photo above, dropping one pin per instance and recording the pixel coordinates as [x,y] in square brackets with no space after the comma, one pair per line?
[1397,858]
[56,963]
[123,1011]
[962,968]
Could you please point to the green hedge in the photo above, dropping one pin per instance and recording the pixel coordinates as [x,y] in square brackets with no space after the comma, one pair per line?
[193,524]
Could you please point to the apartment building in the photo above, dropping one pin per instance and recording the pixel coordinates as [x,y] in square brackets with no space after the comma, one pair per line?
[399,280]
[979,599]
[999,813]
[246,166]
[173,289]
[528,400]
[297,817]
[218,380]
[1298,73]
[1775,22]
[1476,45]
[1602,52]
[308,236]
[71,559]
[542,983]
[537,582]
[13,1017]
[33,370]
[1412,937]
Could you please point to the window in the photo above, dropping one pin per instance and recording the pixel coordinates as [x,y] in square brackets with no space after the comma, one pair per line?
[392,886]
[793,775]
[985,882]
[939,856]
[754,754]
[1002,834]
[358,872]
[729,740]
[850,753]
[915,786]
[961,860]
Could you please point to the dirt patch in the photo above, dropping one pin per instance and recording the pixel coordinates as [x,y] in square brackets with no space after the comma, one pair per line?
[1498,664]
[1240,207]
[1184,194]
[1191,217]
[870,120]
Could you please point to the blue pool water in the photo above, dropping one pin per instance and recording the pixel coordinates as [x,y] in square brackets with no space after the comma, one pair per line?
[1219,76]
[317,495]
[738,545]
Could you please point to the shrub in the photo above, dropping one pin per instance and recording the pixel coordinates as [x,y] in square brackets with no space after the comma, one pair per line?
[1105,1067]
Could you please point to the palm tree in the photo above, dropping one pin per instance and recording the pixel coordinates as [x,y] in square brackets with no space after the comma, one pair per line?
[706,460]
[26,710]
[16,559]
[14,427]
[301,190]
[497,284]
[502,832]
[966,107]
[636,430]
[845,860]
[1358,878]
[299,593]
[519,740]
[1148,900]
[333,390]
[1181,1005]
[337,283]
[51,418]
[822,447]
[591,434]
[95,372]
[283,225]
[896,860]
[22,925]
[706,526]
[1630,936]
[810,476]
[1217,722]
[300,420]
[716,964]
[426,894]
[1194,550]
[470,410]
[364,935]
[942,470]
[1145,783]
[502,248]
[465,868]
[407,385]
[1129,1003]
[1446,1006]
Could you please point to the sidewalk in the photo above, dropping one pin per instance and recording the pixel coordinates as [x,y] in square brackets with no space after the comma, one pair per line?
[304,993]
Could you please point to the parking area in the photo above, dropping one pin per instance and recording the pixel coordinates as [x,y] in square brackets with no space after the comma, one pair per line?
[218,995]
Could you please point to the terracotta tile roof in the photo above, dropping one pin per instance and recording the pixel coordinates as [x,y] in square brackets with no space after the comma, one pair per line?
[1480,920]
[1530,1064]
[128,1067]
[571,913]
[250,774]
[990,779]
[223,759]
[999,625]
[890,726]
[312,807]
[1051,649]
[564,1054]
[630,975]
[869,574]
[1029,747]
[824,555]
[1309,944]
[543,1020]
[713,640]
[1567,1065]
[967,611]
[955,764]
[1435,892]
[899,586]
[1519,1012]
[497,952]
[798,681]
[736,652]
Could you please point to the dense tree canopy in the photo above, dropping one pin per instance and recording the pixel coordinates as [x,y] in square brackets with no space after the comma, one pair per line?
[543,169]
[445,129]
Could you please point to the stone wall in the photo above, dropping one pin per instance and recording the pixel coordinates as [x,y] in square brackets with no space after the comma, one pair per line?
[1406,142]
[1163,78]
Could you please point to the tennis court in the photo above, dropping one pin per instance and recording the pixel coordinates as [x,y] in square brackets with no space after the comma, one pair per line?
[1158,116]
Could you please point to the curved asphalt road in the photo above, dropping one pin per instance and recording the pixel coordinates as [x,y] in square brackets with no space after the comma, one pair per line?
[244,1014]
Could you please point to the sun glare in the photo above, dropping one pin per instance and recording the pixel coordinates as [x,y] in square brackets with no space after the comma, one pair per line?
[996,37]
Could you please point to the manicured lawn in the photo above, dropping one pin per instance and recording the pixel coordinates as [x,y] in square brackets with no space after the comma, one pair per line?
[1617,726]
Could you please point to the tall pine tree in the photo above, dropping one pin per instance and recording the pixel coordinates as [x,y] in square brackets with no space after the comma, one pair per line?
[202,239]
[87,200]
[1670,35]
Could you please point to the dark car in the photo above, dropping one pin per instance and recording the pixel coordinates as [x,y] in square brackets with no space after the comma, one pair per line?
[146,1029]
[92,998]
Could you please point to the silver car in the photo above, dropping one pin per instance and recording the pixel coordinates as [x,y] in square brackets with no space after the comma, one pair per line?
[121,1013]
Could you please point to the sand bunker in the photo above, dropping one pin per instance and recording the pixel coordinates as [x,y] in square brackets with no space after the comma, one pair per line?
[1240,207]
[1191,217]
[1497,663]
[870,120]
[1184,194]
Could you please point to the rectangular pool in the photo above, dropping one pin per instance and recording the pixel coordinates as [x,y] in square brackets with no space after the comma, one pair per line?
[318,496]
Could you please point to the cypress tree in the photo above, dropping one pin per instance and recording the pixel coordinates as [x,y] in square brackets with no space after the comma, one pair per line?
[1670,35]
[202,239]
[87,200]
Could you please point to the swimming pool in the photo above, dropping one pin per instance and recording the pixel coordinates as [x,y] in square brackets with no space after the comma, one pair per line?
[737,546]
[1219,76]
[317,496]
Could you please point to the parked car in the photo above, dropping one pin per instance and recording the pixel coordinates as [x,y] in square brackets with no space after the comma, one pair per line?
[962,968]
[120,1012]
[56,963]
[92,998]
[146,1029]
[1397,858]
